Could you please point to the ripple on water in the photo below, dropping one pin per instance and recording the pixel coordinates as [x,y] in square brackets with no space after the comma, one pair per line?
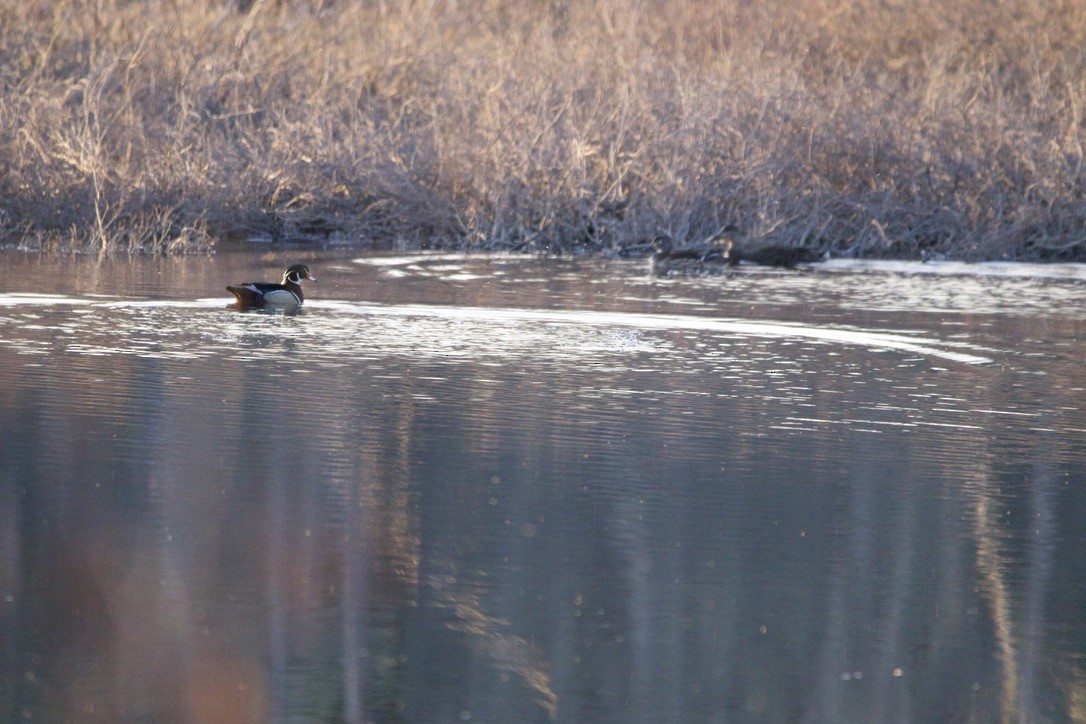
[337,328]
[1004,288]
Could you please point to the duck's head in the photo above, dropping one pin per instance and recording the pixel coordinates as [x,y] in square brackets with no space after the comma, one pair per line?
[727,240]
[661,245]
[728,237]
[296,273]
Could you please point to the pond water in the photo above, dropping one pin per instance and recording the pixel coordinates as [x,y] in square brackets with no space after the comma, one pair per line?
[507,489]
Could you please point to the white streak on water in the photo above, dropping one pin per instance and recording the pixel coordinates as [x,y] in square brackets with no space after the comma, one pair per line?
[941,349]
[959,268]
[408,259]
[879,340]
[39,300]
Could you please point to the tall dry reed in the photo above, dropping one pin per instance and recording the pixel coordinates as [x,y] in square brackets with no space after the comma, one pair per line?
[899,128]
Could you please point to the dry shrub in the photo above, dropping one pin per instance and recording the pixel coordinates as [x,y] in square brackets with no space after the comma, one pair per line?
[902,128]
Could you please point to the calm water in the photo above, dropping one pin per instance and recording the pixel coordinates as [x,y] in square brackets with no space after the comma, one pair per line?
[512,490]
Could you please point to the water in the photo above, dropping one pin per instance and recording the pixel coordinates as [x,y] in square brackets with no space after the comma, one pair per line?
[503,489]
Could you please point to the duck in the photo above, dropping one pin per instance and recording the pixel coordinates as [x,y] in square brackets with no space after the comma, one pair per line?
[731,243]
[666,257]
[660,261]
[287,293]
[779,256]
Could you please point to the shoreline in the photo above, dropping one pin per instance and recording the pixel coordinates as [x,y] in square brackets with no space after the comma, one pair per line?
[878,130]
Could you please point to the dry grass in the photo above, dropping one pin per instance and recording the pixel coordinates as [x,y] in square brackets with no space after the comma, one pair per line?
[901,128]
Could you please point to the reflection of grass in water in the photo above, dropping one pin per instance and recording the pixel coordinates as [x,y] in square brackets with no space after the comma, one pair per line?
[495,638]
[878,128]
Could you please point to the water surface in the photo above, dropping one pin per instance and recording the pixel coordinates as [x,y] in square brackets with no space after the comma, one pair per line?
[507,489]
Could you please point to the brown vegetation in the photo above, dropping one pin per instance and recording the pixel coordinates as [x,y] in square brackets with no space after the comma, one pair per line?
[903,128]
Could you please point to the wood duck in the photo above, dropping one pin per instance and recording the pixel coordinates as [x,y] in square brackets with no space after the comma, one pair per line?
[287,293]
[665,257]
[732,244]
[660,262]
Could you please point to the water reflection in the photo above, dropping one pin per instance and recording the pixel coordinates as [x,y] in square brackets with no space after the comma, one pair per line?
[429,503]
